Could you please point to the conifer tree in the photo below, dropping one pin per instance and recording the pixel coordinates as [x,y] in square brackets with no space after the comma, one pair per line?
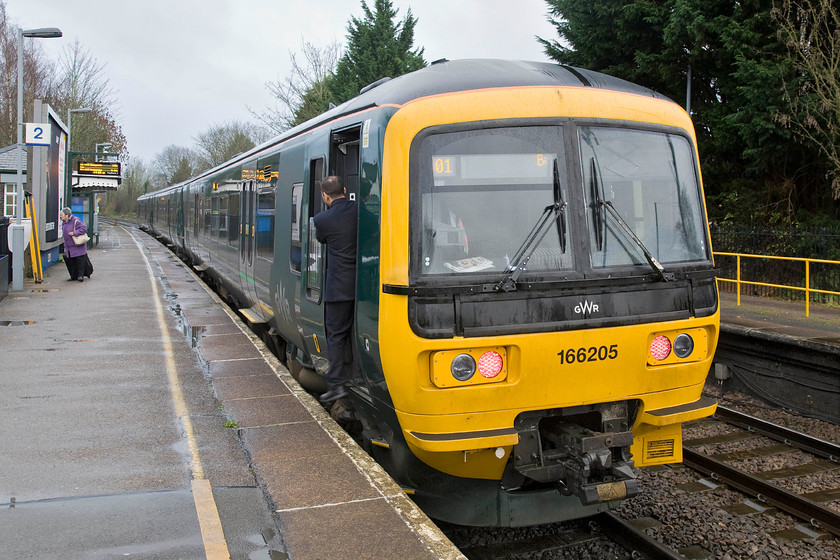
[377,47]
[739,67]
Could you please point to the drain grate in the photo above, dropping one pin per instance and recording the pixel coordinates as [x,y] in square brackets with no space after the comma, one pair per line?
[15,323]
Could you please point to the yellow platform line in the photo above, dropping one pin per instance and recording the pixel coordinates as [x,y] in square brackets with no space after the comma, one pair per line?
[215,546]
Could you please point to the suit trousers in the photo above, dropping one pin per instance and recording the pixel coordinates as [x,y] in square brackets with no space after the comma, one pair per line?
[338,322]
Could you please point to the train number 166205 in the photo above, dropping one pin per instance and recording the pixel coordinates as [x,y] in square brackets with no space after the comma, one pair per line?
[591,354]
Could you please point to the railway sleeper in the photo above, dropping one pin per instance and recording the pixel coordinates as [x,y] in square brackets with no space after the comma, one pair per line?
[583,450]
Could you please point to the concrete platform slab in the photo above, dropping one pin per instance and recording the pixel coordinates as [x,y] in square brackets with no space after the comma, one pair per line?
[248,387]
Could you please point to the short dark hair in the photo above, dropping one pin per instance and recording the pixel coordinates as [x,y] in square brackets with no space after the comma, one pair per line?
[332,186]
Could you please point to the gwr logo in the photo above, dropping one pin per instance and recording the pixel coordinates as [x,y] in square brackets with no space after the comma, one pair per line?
[586,307]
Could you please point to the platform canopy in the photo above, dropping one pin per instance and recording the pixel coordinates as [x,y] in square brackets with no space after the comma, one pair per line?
[89,185]
[93,177]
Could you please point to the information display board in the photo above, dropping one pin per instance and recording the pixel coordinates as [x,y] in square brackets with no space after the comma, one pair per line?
[99,168]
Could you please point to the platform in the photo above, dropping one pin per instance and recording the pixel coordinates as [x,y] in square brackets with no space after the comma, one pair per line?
[142,419]
[783,318]
[771,349]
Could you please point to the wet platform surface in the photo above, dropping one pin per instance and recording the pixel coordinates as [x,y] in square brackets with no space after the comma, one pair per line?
[105,449]
[761,315]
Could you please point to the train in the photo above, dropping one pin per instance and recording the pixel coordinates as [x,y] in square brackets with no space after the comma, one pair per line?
[536,303]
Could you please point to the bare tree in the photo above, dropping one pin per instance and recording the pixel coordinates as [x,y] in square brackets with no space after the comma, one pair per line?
[303,94]
[136,180]
[83,83]
[221,142]
[173,165]
[811,30]
[37,77]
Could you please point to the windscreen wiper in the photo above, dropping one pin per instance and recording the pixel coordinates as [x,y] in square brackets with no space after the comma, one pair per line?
[526,250]
[598,197]
[558,196]
[549,215]
[654,264]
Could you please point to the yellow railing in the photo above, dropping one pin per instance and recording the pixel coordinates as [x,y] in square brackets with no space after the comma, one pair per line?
[807,289]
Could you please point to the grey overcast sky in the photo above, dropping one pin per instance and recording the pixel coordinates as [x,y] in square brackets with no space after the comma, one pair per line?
[180,66]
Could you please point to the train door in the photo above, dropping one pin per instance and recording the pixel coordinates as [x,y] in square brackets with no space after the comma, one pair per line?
[345,163]
[312,268]
[247,250]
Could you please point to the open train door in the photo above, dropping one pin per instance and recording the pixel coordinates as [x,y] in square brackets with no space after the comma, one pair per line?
[344,162]
[313,266]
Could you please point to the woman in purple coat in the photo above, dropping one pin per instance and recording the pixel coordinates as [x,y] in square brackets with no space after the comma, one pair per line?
[75,256]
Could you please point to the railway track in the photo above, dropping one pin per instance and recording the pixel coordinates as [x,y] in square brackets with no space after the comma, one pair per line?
[603,536]
[756,484]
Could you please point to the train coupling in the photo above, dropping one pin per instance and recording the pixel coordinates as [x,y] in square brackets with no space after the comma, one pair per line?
[595,466]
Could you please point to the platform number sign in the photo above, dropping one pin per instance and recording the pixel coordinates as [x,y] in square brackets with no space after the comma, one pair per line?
[38,134]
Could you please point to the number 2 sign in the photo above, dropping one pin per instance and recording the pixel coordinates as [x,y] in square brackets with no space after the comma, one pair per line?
[38,134]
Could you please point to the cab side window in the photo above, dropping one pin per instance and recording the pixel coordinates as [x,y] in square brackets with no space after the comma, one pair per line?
[315,262]
[297,215]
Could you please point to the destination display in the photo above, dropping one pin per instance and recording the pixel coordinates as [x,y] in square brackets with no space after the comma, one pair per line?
[103,168]
[508,168]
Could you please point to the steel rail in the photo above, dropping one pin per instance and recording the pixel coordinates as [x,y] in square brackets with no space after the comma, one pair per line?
[794,504]
[633,539]
[820,447]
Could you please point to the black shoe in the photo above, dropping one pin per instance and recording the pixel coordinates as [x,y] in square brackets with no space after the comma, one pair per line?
[81,279]
[333,395]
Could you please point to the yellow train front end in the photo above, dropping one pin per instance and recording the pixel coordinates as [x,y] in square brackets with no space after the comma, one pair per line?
[548,311]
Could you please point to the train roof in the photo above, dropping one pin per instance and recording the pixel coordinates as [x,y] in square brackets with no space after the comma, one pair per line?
[448,76]
[473,74]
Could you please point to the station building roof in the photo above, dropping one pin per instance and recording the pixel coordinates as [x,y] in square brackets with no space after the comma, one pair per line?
[9,159]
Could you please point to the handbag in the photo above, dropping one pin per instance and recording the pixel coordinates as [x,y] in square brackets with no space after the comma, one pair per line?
[80,239]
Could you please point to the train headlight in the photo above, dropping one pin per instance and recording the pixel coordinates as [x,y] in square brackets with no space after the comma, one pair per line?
[660,347]
[458,367]
[490,364]
[683,345]
[462,367]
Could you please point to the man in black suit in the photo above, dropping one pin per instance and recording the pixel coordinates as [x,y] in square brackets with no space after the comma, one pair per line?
[336,227]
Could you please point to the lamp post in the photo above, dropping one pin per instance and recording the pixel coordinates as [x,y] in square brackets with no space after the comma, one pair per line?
[16,230]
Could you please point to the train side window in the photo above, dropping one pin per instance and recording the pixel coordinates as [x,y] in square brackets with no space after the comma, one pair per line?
[223,217]
[315,251]
[297,214]
[207,219]
[265,222]
[196,215]
[233,220]
[214,219]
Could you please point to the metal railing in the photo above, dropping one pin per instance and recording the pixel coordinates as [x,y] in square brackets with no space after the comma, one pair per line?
[807,289]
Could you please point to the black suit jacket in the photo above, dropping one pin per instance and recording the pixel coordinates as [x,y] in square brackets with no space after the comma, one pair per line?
[336,226]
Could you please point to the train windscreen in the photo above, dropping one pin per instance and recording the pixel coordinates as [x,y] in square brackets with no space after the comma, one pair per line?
[649,179]
[482,192]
